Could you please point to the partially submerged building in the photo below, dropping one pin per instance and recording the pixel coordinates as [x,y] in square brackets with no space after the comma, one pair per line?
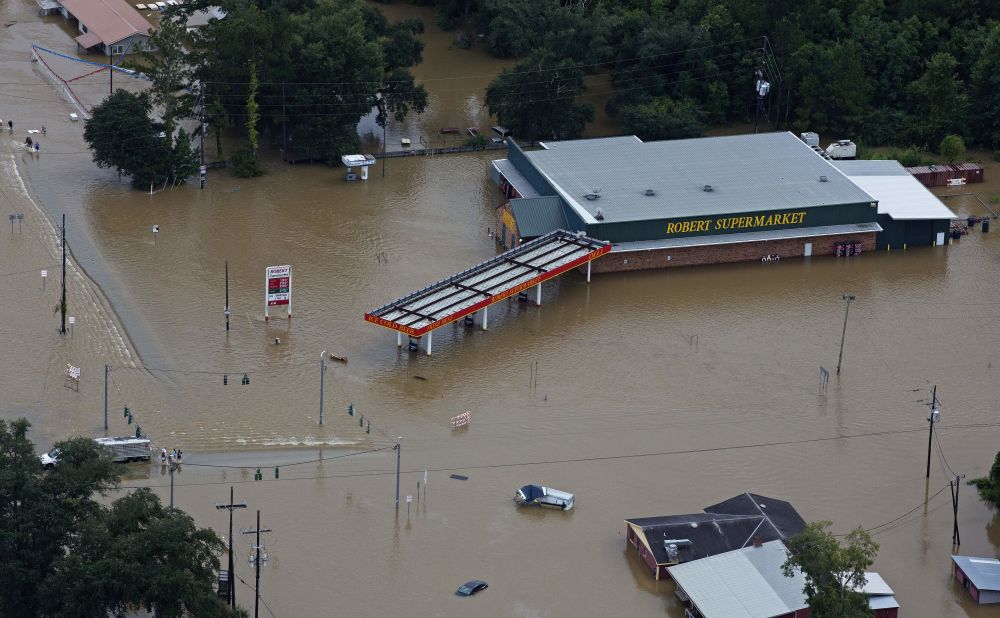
[664,541]
[110,27]
[692,201]
[750,583]
[979,576]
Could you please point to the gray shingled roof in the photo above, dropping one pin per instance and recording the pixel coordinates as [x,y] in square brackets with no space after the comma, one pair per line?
[538,216]
[748,173]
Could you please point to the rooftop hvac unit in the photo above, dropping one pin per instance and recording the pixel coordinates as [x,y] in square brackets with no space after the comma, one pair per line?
[810,138]
[599,215]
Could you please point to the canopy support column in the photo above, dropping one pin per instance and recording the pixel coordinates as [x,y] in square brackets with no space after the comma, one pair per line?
[538,294]
[430,342]
[588,272]
[486,315]
[399,339]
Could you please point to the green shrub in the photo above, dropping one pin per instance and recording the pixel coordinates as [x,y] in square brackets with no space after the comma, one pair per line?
[952,148]
[245,164]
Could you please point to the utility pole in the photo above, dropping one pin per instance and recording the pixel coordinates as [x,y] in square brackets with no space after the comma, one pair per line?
[284,122]
[322,372]
[202,170]
[397,447]
[933,418]
[111,72]
[843,334]
[62,304]
[106,370]
[173,465]
[232,576]
[257,558]
[226,309]
[956,538]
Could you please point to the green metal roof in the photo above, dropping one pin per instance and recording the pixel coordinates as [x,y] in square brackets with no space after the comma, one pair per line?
[538,216]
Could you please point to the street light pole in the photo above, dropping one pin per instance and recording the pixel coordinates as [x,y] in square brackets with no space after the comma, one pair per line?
[397,470]
[933,418]
[62,304]
[322,372]
[843,334]
[226,310]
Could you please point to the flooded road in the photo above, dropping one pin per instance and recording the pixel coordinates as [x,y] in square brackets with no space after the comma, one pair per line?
[657,392]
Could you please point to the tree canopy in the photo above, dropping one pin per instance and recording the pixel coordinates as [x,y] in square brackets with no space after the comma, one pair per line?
[123,136]
[320,66]
[895,73]
[63,553]
[834,571]
[989,486]
[537,99]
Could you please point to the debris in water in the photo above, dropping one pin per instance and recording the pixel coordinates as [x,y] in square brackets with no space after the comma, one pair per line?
[420,378]
[459,477]
[342,359]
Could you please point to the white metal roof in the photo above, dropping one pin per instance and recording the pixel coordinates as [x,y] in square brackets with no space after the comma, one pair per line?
[515,178]
[491,281]
[745,583]
[747,173]
[899,194]
[984,572]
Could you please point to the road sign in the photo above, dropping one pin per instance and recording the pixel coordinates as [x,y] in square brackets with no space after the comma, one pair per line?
[45,274]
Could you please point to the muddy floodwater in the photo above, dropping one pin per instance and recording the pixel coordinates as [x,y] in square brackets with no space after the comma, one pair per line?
[656,392]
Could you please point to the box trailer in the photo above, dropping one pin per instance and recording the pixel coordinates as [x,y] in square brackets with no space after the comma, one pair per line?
[124,449]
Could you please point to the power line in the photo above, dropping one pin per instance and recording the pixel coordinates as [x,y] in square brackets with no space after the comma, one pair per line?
[597,458]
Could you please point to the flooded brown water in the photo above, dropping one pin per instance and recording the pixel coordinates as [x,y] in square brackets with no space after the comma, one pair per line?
[657,392]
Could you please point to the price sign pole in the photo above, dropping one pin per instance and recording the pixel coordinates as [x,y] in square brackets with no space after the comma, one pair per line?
[45,275]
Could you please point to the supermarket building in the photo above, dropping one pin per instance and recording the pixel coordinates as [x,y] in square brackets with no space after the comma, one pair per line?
[711,200]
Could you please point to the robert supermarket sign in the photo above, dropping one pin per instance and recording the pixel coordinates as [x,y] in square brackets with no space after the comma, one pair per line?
[716,224]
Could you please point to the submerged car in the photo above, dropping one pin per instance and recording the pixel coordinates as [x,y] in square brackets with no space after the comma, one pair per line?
[470,588]
[536,495]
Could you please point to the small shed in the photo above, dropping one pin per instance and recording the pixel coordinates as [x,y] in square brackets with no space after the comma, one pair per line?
[980,576]
[881,598]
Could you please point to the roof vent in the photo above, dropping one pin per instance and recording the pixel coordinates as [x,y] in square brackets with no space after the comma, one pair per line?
[823,179]
[595,194]
[708,188]
[599,215]
[649,193]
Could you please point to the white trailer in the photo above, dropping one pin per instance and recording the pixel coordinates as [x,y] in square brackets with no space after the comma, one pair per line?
[124,449]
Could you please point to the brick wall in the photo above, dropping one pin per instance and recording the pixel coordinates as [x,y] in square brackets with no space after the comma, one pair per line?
[720,254]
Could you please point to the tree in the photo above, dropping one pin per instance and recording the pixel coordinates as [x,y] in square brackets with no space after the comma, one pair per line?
[663,118]
[537,99]
[985,85]
[834,572]
[941,104]
[63,553]
[170,73]
[989,486]
[122,136]
[952,148]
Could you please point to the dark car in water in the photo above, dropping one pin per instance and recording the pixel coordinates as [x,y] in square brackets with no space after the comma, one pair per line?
[470,588]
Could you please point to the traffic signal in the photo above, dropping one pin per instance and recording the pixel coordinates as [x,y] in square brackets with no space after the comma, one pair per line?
[258,476]
[276,472]
[246,379]
[125,412]
[225,379]
[138,431]
[368,428]
[350,409]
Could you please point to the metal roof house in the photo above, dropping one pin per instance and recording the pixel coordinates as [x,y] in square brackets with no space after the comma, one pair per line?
[908,213]
[749,583]
[743,583]
[684,202]
[112,27]
[980,576]
[733,524]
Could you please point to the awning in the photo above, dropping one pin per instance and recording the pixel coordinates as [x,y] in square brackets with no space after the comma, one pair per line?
[88,40]
[482,285]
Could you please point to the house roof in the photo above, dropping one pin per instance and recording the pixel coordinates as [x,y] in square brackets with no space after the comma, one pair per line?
[538,216]
[723,527]
[747,173]
[899,194]
[984,572]
[110,21]
[744,583]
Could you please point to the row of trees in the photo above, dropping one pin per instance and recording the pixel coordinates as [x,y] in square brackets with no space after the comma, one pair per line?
[898,73]
[63,553]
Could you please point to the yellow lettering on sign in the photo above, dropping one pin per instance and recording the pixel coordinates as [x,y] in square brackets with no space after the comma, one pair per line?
[736,223]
